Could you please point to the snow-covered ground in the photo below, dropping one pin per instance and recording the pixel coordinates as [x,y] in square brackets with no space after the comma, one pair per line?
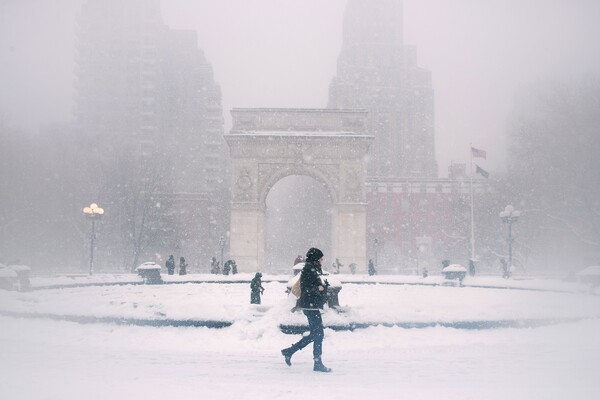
[47,359]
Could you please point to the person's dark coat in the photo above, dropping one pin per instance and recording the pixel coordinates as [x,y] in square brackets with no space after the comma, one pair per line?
[372,271]
[256,289]
[170,264]
[471,268]
[227,267]
[182,266]
[310,296]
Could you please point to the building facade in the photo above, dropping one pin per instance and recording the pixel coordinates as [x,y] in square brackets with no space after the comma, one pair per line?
[146,90]
[376,71]
[414,223]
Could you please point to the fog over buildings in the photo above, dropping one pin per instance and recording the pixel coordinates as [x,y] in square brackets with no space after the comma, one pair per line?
[283,53]
[437,77]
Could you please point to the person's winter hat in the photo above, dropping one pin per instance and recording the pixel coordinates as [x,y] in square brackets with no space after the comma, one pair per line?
[314,254]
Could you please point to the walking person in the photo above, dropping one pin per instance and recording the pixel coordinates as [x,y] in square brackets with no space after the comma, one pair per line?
[338,265]
[371,268]
[182,266]
[214,266]
[170,264]
[256,289]
[227,267]
[471,268]
[312,297]
[505,269]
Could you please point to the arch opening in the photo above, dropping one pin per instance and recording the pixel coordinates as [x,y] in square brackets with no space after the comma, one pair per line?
[298,215]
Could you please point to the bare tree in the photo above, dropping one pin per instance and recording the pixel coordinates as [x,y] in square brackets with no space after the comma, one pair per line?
[554,164]
[138,193]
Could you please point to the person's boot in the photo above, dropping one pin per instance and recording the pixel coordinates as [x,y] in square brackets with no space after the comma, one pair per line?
[287,354]
[319,367]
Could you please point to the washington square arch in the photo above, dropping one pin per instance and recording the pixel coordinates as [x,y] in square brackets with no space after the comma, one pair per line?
[268,145]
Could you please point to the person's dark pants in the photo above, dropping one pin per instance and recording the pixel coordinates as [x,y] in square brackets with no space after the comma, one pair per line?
[315,324]
[254,297]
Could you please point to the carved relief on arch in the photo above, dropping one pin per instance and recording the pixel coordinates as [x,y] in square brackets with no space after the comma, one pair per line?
[271,173]
[243,188]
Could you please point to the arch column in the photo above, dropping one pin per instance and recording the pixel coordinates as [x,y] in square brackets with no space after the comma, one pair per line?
[247,236]
[348,229]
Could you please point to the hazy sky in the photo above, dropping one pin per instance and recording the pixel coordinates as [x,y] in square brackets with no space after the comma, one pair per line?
[283,53]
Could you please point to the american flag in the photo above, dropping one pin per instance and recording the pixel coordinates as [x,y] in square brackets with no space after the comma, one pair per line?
[478,153]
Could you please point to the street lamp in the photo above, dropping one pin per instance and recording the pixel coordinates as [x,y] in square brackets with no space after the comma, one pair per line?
[423,243]
[376,246]
[510,215]
[93,212]
[222,245]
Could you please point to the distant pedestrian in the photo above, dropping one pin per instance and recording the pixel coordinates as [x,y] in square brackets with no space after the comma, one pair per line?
[338,265]
[256,289]
[227,267]
[214,266]
[471,268]
[445,263]
[312,298]
[182,266]
[352,267]
[505,269]
[425,272]
[298,260]
[371,269]
[233,267]
[170,264]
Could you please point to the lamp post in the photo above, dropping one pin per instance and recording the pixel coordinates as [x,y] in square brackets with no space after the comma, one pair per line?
[509,216]
[376,246]
[222,245]
[93,212]
[423,244]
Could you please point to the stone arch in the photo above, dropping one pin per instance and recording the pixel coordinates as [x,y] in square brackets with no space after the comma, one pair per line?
[268,145]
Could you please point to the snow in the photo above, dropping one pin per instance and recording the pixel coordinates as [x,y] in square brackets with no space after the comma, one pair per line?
[19,268]
[7,273]
[42,358]
[454,268]
[590,271]
[148,266]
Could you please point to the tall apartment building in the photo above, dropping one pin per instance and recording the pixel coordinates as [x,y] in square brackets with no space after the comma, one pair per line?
[118,69]
[414,218]
[376,71]
[144,87]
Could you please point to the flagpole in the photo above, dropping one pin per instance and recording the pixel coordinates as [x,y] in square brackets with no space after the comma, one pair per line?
[472,216]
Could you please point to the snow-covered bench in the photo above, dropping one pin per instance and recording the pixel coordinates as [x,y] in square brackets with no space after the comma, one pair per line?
[454,272]
[150,273]
[22,272]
